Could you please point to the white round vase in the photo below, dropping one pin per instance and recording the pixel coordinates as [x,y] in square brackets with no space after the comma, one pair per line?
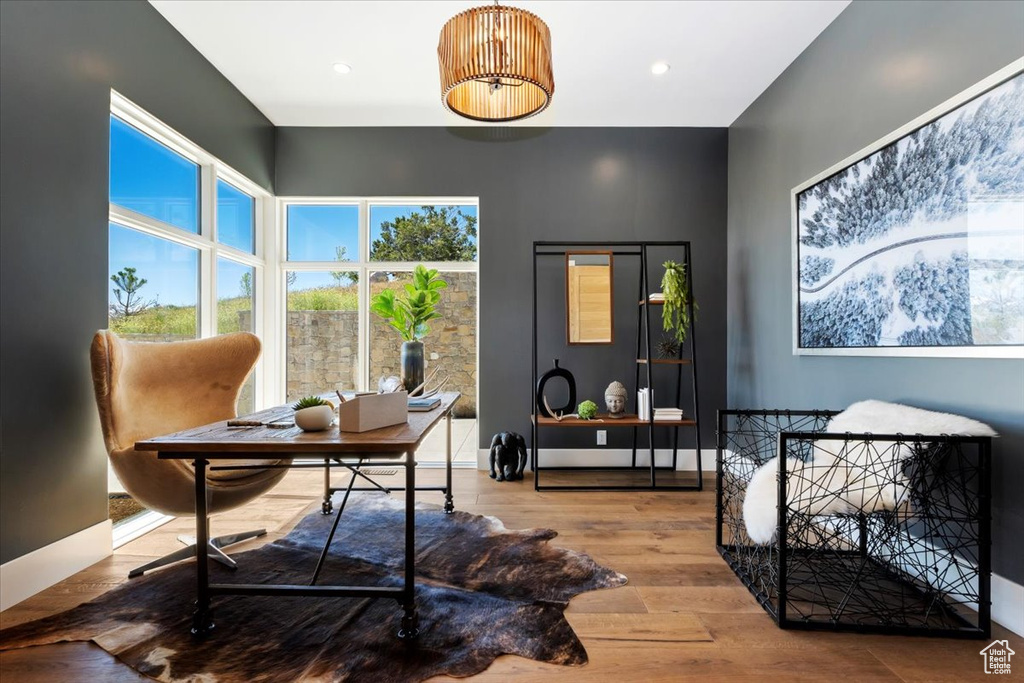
[314,419]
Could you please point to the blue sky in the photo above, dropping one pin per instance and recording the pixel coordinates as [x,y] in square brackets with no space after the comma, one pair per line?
[172,270]
[236,218]
[149,178]
[316,230]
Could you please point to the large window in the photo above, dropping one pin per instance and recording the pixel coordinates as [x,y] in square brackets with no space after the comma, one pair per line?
[149,178]
[185,256]
[154,286]
[339,253]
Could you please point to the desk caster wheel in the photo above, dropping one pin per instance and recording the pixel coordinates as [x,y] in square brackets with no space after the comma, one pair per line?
[202,625]
[326,507]
[410,627]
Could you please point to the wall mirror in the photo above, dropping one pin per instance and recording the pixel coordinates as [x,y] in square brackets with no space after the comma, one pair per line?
[588,278]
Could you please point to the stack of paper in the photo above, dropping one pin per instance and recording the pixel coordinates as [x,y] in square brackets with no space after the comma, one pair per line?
[668,414]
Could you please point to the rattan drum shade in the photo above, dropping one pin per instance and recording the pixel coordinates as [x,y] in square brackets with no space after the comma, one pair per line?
[495,64]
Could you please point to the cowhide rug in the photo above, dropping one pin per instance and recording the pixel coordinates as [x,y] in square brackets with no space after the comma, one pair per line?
[482,591]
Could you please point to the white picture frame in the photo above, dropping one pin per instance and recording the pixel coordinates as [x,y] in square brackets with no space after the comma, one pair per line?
[908,253]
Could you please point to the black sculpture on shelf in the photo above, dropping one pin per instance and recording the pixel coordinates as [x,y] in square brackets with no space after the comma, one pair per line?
[508,456]
[542,407]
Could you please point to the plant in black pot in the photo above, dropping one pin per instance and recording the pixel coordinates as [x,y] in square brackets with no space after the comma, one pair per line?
[409,312]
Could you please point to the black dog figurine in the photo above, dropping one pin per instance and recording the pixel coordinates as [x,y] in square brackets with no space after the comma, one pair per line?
[508,456]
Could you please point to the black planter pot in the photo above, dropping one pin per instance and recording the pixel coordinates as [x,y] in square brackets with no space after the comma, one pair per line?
[412,364]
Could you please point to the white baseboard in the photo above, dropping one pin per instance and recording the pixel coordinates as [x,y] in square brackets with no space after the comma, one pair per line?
[942,567]
[570,457]
[25,576]
[1008,604]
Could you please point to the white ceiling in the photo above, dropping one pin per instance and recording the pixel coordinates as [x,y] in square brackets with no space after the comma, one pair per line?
[280,53]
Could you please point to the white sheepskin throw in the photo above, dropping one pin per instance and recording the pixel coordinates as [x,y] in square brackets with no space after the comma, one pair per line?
[845,477]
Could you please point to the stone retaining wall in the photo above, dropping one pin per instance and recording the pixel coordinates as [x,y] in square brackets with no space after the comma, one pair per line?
[323,346]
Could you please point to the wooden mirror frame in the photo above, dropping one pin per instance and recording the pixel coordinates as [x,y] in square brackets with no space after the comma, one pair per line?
[611,298]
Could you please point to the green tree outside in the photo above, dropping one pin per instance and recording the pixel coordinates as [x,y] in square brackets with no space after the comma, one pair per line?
[439,233]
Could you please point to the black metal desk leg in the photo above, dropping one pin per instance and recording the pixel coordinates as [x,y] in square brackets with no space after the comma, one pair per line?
[327,507]
[449,505]
[201,623]
[410,622]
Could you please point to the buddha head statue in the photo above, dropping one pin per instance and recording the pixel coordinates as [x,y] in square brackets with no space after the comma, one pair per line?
[615,399]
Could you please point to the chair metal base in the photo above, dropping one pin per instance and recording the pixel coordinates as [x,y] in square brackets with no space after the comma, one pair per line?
[185,553]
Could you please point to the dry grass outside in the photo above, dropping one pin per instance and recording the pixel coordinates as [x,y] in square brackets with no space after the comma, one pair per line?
[122,506]
[183,321]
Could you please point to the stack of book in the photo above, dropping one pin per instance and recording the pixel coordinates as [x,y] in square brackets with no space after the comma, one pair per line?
[643,403]
[668,414]
[656,297]
[421,405]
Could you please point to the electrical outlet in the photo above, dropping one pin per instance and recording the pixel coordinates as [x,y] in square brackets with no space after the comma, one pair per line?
[602,437]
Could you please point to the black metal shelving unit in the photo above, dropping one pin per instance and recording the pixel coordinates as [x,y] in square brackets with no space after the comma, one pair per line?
[644,362]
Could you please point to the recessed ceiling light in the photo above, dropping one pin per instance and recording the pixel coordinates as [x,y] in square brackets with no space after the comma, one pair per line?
[342,68]
[659,68]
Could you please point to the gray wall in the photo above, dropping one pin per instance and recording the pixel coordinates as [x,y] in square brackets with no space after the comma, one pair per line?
[545,184]
[878,66]
[58,61]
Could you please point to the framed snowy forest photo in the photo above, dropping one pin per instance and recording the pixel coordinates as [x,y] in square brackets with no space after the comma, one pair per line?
[915,245]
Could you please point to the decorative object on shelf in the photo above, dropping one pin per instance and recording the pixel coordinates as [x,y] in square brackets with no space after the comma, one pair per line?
[643,403]
[668,347]
[409,313]
[508,456]
[615,399]
[912,236]
[495,64]
[668,414]
[559,415]
[589,297]
[313,414]
[675,312]
[542,404]
[587,410]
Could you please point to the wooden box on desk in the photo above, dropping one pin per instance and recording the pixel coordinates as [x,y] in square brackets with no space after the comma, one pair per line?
[373,411]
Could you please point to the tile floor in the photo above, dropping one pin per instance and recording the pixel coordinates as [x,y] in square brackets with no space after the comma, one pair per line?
[464,443]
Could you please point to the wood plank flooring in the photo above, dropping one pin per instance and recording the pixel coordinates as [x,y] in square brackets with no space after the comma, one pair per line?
[682,617]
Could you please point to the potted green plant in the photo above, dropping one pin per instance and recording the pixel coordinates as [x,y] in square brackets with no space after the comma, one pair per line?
[409,312]
[675,313]
[313,414]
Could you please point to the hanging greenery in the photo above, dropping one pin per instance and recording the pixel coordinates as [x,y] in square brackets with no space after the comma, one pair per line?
[675,314]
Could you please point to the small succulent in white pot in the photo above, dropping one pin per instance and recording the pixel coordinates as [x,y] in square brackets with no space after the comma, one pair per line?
[313,414]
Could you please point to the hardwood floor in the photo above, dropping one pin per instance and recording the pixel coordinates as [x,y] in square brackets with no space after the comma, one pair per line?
[684,615]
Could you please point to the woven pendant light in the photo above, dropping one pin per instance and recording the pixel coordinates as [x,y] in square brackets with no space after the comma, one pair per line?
[495,64]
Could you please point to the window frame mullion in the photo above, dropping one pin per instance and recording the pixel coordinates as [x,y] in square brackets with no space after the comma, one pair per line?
[262,261]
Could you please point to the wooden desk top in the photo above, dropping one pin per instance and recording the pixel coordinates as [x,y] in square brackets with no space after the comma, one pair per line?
[217,440]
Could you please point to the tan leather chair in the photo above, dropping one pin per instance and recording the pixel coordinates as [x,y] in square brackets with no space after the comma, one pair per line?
[146,389]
